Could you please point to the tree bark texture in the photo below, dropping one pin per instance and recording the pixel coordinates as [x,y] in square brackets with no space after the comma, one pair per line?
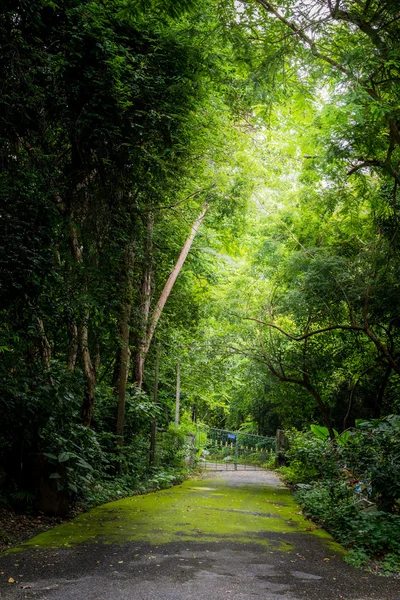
[145,302]
[72,351]
[89,370]
[178,393]
[44,346]
[124,353]
[153,436]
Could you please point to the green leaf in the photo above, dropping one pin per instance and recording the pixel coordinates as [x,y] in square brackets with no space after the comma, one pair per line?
[55,476]
[64,456]
[361,422]
[51,456]
[343,438]
[85,465]
[321,432]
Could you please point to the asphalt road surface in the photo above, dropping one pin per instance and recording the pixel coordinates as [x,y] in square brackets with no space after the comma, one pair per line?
[230,536]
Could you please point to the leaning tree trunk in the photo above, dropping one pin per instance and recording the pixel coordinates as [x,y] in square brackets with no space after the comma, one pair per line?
[145,346]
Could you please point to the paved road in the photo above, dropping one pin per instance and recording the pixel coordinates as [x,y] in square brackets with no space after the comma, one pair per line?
[231,536]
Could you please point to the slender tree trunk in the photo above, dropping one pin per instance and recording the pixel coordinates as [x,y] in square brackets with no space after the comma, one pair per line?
[145,301]
[89,373]
[124,352]
[116,370]
[44,346]
[89,370]
[123,372]
[139,368]
[153,436]
[72,351]
[178,393]
[88,400]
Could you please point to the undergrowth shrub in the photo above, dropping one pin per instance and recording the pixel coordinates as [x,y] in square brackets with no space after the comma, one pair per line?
[351,487]
[330,503]
[309,457]
[172,448]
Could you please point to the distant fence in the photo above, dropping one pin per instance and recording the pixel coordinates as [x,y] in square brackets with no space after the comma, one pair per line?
[221,449]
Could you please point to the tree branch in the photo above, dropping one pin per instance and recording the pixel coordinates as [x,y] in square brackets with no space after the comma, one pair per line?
[376,163]
[300,33]
[308,334]
[364,26]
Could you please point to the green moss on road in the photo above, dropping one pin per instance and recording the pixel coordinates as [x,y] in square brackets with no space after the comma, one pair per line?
[209,511]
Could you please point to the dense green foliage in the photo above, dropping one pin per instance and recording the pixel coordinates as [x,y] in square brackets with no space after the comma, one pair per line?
[259,144]
[351,486]
[313,294]
[110,146]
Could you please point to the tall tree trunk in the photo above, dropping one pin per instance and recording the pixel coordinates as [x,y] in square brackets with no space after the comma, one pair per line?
[89,369]
[124,353]
[44,346]
[153,435]
[89,372]
[145,302]
[178,393]
[116,370]
[72,351]
[153,321]
[139,368]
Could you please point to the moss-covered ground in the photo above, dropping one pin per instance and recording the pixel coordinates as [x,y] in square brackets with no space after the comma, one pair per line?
[201,510]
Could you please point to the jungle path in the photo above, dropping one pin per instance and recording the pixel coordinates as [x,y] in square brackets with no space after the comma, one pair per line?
[232,535]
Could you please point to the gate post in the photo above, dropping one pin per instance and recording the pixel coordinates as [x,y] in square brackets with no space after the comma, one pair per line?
[281,447]
[236,451]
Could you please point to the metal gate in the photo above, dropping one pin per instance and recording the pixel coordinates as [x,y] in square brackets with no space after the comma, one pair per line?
[219,449]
